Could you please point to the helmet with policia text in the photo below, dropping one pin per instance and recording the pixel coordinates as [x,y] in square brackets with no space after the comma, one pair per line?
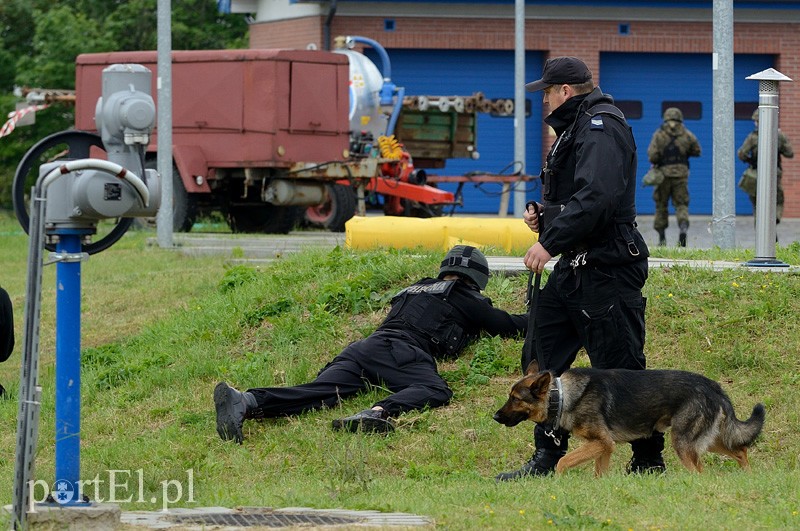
[467,261]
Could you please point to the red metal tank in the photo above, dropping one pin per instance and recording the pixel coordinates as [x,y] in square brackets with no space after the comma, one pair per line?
[239,108]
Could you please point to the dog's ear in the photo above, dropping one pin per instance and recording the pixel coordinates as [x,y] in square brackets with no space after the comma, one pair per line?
[540,385]
[533,368]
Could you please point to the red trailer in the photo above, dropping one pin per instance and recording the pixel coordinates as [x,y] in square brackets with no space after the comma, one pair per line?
[262,135]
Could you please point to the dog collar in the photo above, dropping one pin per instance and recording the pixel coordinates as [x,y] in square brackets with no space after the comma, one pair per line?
[556,404]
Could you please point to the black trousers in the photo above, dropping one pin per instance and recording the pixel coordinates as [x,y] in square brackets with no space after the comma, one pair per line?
[599,308]
[386,358]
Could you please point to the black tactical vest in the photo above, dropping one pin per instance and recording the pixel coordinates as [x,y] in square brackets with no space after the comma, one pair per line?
[422,309]
[672,154]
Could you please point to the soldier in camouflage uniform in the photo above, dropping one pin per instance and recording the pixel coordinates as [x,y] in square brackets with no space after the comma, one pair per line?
[670,149]
[748,153]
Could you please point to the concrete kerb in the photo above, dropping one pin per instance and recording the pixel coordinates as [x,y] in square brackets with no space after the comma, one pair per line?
[262,249]
[512,265]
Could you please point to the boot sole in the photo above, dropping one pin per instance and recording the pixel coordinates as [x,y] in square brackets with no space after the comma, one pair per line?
[365,425]
[520,474]
[227,426]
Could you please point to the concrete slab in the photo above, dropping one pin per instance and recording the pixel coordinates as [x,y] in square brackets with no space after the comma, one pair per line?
[94,516]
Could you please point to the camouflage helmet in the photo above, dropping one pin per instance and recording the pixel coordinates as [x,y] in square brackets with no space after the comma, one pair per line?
[755,115]
[673,113]
[467,261]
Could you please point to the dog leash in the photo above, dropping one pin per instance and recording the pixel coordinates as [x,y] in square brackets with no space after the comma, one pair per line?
[534,281]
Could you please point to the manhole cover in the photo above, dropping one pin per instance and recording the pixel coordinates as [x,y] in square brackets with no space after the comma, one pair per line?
[268,517]
[281,519]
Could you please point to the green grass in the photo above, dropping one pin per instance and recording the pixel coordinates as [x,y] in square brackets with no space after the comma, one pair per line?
[160,329]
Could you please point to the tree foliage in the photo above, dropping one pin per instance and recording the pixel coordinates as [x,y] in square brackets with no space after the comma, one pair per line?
[40,39]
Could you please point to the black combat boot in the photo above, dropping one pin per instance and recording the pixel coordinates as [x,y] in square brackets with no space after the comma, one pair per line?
[544,459]
[369,420]
[662,238]
[233,407]
[684,227]
[647,458]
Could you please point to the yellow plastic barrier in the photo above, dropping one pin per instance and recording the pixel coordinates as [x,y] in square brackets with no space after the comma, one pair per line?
[437,233]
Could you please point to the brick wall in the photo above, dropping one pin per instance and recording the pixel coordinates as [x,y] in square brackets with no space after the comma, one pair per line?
[585,39]
[294,34]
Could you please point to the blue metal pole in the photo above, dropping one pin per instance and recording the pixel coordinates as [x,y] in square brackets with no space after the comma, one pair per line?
[68,369]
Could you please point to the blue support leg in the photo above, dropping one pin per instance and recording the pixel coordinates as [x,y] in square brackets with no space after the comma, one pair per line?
[68,371]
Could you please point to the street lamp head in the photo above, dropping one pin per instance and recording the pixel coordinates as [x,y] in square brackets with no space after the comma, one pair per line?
[770,74]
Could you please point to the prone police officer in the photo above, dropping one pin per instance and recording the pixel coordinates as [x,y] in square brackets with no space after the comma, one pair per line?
[434,318]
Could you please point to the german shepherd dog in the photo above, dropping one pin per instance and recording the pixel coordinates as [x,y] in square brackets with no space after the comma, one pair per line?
[605,407]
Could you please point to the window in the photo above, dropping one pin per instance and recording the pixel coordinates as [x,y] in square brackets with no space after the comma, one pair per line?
[744,110]
[632,109]
[692,110]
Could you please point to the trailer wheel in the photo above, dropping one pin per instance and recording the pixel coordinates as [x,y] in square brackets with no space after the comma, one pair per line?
[263,217]
[333,213]
[67,145]
[413,209]
[184,206]
[421,210]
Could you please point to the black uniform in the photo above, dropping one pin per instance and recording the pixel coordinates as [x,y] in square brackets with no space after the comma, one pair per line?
[6,326]
[6,329]
[428,320]
[593,298]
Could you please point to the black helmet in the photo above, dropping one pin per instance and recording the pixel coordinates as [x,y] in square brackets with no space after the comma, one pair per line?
[467,261]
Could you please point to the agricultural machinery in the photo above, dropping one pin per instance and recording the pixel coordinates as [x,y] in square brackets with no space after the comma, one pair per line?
[270,138]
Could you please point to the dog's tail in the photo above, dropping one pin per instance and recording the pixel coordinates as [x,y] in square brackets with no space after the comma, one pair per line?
[742,434]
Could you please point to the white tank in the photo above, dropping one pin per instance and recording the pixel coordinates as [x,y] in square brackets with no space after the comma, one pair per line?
[365,86]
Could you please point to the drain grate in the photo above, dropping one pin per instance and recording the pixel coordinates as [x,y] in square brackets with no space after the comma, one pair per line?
[274,519]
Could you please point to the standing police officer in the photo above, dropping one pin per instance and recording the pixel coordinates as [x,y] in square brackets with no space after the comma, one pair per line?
[670,148]
[593,298]
[434,318]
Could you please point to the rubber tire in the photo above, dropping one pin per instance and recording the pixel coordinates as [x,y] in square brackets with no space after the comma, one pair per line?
[333,213]
[414,209]
[263,218]
[184,206]
[79,145]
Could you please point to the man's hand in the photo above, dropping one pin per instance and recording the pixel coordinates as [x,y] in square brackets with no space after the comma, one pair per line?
[536,258]
[531,215]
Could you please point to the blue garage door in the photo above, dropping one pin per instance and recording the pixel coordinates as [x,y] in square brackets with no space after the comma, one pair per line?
[646,82]
[462,73]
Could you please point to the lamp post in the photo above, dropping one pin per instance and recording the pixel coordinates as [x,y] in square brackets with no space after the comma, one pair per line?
[767,180]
